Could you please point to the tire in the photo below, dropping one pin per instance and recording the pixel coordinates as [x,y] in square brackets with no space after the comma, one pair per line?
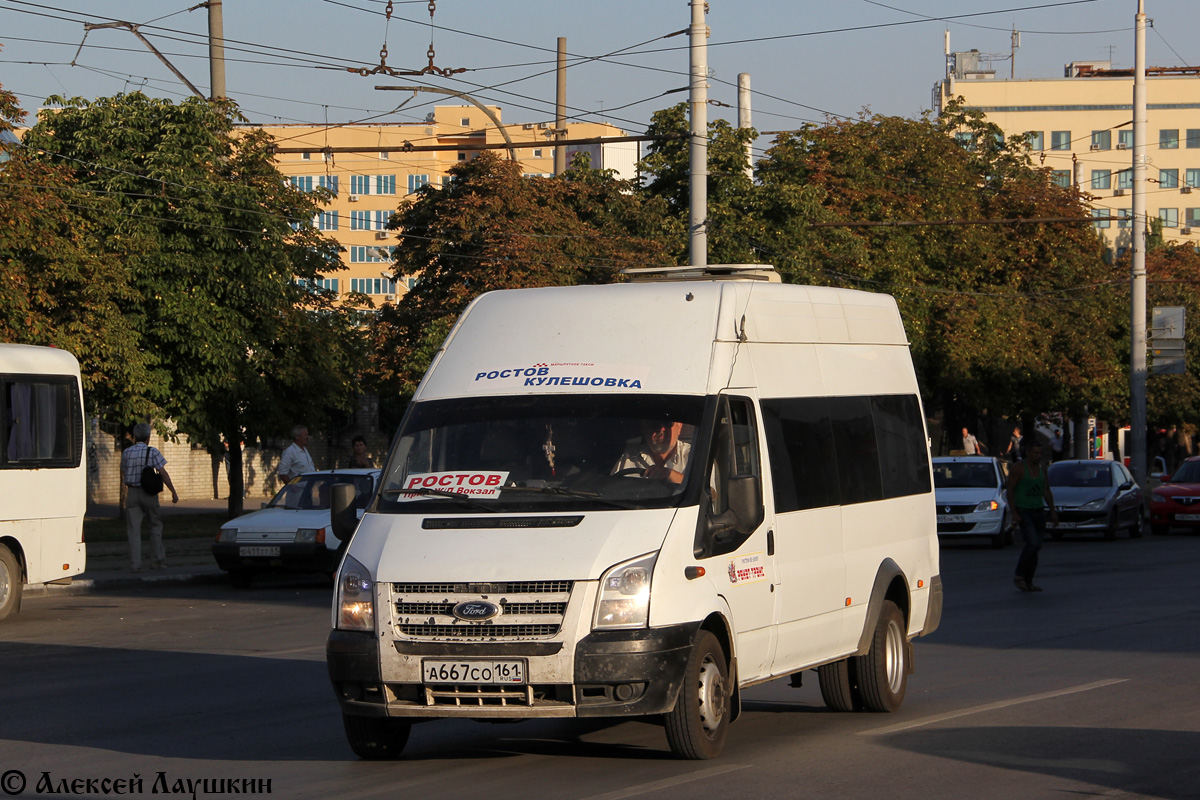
[1135,530]
[241,578]
[11,583]
[839,685]
[376,738]
[883,671]
[699,722]
[1110,532]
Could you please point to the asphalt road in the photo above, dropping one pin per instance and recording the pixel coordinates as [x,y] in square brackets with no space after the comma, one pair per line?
[1088,689]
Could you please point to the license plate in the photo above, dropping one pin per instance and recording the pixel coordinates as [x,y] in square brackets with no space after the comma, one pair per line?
[950,519]
[1062,525]
[486,672]
[1187,517]
[260,550]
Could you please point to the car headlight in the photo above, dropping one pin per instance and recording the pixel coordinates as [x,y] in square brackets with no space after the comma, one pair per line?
[624,600]
[310,536]
[1158,498]
[227,535]
[986,505]
[355,597]
[1094,505]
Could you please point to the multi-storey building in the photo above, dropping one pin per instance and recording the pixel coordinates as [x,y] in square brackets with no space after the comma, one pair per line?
[370,182]
[1081,127]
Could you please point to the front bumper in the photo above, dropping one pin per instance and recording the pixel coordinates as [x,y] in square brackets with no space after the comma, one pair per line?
[986,523]
[617,674]
[307,557]
[1176,516]
[1074,520]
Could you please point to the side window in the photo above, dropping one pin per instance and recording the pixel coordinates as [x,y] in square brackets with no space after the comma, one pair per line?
[42,425]
[734,485]
[857,453]
[903,455]
[800,448]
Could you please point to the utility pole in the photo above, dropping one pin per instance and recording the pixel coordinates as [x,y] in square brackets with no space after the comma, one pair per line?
[216,50]
[560,110]
[698,148]
[1137,293]
[744,118]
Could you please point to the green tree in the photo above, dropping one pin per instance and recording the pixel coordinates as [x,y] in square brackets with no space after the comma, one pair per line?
[240,343]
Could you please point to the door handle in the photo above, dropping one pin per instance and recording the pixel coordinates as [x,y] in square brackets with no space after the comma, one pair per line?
[770,543]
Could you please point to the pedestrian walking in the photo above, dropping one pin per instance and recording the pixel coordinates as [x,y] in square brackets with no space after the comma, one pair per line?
[141,502]
[1029,496]
[971,445]
[296,459]
[1013,453]
[358,458]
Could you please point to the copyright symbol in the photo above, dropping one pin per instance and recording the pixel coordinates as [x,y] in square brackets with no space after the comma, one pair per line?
[12,782]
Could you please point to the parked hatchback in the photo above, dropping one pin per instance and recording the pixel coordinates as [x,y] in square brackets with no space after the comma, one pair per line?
[293,532]
[1176,502]
[1094,495]
[970,496]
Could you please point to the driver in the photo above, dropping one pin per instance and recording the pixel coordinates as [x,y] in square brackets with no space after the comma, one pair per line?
[658,454]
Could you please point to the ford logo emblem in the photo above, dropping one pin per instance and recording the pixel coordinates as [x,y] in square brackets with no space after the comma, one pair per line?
[475,610]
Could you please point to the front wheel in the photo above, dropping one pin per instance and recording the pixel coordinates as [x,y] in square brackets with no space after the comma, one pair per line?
[11,583]
[699,722]
[883,671]
[376,738]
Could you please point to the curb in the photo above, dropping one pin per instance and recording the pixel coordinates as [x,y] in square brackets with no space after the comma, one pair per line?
[90,585]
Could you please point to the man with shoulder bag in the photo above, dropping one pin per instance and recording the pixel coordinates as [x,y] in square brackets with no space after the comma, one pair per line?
[143,469]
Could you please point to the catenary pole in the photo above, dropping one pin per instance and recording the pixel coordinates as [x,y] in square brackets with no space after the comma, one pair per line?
[744,118]
[1137,293]
[216,50]
[698,148]
[560,109]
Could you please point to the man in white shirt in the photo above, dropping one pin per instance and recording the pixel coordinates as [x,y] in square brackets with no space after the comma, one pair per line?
[658,454]
[296,459]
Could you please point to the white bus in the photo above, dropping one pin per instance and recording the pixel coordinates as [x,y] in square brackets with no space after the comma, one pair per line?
[43,480]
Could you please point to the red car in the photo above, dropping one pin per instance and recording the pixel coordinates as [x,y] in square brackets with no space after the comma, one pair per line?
[1176,503]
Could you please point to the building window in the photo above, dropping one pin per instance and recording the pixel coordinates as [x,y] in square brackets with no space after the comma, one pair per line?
[416,182]
[1191,217]
[360,220]
[1036,139]
[1193,138]
[1101,179]
[373,285]
[302,182]
[965,139]
[1125,139]
[329,182]
[385,184]
[327,221]
[360,254]
[537,152]
[1102,215]
[1192,178]
[1060,140]
[360,184]
[1168,139]
[1102,140]
[1124,218]
[306,156]
[382,218]
[1125,179]
[1168,178]
[1169,217]
[462,156]
[1061,177]
[384,155]
[465,122]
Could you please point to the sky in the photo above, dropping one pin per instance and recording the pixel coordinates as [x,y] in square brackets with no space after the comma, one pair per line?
[289,61]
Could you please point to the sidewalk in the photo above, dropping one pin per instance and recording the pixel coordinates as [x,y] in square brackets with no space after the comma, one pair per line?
[189,560]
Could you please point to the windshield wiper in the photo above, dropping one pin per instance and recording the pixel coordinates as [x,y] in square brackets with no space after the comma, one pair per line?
[426,490]
[568,493]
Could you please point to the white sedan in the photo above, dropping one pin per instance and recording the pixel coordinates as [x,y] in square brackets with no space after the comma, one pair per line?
[970,496]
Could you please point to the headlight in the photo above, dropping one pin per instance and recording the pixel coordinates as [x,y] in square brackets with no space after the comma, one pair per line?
[227,535]
[310,536]
[1158,498]
[1094,505]
[624,600]
[355,597]
[986,505]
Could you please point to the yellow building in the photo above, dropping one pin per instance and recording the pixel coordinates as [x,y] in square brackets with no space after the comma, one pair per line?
[1081,127]
[375,175]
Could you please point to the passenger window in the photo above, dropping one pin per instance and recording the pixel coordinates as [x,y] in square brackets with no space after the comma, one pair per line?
[903,453]
[800,446]
[857,452]
[734,507]
[42,424]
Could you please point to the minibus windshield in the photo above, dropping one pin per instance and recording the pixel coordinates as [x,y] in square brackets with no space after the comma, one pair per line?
[580,452]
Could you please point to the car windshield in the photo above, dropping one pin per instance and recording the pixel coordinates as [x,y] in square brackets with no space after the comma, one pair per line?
[543,453]
[1188,472]
[311,492]
[964,475]
[1094,476]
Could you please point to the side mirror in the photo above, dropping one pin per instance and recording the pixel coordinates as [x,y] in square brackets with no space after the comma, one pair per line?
[745,512]
[343,520]
[1125,487]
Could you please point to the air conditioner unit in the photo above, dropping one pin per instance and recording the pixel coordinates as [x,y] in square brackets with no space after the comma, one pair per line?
[1122,146]
[381,234]
[543,125]
[528,126]
[1094,147]
[1118,192]
[353,198]
[389,298]
[1186,190]
[1185,231]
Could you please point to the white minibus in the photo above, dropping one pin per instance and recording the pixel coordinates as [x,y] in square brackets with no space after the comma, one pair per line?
[637,500]
[43,476]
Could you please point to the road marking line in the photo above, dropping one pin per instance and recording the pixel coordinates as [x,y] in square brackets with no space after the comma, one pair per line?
[904,726]
[667,783]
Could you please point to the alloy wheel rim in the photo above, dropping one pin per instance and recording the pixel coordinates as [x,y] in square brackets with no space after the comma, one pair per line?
[894,647]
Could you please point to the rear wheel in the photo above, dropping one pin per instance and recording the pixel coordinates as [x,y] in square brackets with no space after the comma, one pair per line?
[883,671]
[376,738]
[11,583]
[839,685]
[699,722]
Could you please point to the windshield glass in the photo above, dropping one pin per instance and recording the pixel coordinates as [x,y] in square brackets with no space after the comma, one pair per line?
[311,492]
[964,475]
[1188,472]
[543,453]
[1094,476]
